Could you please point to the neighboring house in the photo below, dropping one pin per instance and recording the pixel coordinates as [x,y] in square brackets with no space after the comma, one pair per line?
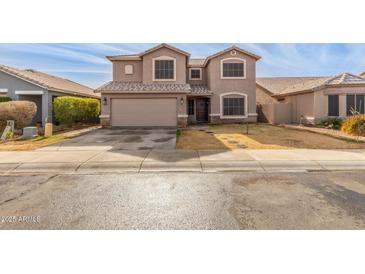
[40,88]
[362,74]
[163,86]
[309,99]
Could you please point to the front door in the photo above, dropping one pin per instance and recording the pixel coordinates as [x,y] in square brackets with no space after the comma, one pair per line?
[201,110]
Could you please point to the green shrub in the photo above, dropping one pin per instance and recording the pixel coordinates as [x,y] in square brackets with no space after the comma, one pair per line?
[22,112]
[355,125]
[69,109]
[332,123]
[4,99]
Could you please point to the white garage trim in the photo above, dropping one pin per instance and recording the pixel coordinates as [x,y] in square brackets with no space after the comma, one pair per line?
[3,90]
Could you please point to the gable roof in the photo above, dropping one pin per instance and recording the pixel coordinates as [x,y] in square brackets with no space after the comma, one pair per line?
[164,45]
[140,55]
[201,62]
[229,49]
[279,86]
[48,81]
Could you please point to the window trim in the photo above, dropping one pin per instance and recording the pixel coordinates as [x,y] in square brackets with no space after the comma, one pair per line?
[196,79]
[238,59]
[161,58]
[128,66]
[239,95]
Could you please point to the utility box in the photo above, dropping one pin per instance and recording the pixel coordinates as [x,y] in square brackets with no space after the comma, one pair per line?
[30,132]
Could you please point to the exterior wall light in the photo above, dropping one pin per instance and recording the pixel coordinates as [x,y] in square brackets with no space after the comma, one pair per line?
[182,100]
[104,101]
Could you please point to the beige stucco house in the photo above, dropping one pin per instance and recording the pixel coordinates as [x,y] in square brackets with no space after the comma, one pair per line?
[164,86]
[309,99]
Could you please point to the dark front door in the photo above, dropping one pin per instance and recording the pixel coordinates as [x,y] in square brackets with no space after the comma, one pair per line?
[201,110]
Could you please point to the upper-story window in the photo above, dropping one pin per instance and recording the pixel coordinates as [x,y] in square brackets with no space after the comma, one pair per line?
[164,69]
[233,68]
[195,74]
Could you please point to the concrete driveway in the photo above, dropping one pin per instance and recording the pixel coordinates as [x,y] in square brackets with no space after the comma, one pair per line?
[121,139]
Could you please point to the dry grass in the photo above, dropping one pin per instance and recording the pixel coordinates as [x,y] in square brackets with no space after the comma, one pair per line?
[41,141]
[261,136]
[31,144]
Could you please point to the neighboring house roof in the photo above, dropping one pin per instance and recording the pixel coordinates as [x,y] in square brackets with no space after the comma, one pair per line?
[139,55]
[279,86]
[120,86]
[229,49]
[48,81]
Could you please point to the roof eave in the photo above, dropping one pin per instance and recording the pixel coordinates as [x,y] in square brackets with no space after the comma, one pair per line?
[124,58]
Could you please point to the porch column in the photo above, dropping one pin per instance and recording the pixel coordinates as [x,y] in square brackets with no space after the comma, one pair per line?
[342,105]
[45,114]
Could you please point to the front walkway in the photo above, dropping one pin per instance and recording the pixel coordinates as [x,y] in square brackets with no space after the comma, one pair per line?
[84,161]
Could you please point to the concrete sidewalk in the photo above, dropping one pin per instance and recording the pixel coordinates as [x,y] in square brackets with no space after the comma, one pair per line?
[122,161]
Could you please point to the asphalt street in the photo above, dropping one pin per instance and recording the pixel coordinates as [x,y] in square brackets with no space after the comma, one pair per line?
[318,200]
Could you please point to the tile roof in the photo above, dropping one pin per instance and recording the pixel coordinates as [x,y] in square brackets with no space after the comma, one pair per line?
[196,62]
[346,79]
[289,85]
[200,89]
[48,81]
[118,86]
[281,85]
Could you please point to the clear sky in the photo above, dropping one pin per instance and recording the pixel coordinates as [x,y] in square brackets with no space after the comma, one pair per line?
[86,63]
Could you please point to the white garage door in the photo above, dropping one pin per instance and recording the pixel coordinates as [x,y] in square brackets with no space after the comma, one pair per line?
[143,112]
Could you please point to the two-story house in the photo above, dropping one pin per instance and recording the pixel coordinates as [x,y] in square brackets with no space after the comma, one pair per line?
[164,87]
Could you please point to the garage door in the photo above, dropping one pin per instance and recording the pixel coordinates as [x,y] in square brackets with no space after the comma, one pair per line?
[143,112]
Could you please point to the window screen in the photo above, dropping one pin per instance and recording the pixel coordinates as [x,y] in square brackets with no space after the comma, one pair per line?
[164,69]
[190,107]
[233,106]
[233,70]
[354,102]
[333,105]
[350,104]
[195,73]
[360,103]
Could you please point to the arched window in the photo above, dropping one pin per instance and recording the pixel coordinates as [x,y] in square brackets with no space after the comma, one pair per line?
[233,68]
[233,105]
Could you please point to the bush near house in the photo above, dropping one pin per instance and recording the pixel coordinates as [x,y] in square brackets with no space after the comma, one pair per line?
[4,99]
[69,109]
[22,112]
[332,123]
[354,125]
